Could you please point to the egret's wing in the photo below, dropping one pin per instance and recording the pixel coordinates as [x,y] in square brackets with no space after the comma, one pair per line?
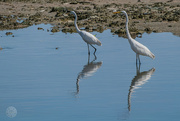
[141,49]
[89,38]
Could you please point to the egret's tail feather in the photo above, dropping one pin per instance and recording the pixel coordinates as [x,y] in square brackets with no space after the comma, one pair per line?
[152,56]
[99,43]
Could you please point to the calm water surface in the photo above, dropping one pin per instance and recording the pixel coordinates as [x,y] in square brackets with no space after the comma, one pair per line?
[41,83]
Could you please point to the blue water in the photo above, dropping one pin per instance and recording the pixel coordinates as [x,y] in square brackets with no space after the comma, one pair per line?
[47,76]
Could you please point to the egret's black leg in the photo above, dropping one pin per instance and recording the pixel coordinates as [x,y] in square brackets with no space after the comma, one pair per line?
[88,58]
[138,68]
[139,60]
[136,58]
[88,49]
[94,57]
[94,48]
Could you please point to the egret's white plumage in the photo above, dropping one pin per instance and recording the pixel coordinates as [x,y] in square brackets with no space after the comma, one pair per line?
[137,47]
[89,38]
[86,36]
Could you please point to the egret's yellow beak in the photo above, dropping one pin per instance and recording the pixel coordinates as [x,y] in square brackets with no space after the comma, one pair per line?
[116,12]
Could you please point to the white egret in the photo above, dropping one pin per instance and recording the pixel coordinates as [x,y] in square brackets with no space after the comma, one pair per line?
[86,36]
[137,47]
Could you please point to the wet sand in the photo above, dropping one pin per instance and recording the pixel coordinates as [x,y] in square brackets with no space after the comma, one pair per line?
[94,15]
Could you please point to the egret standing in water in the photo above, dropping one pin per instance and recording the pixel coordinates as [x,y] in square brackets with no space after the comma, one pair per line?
[86,36]
[137,47]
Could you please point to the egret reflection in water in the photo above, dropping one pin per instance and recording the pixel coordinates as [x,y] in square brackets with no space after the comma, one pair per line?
[88,70]
[138,81]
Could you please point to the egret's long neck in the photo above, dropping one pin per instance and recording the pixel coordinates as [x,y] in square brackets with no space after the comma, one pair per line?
[127,30]
[75,23]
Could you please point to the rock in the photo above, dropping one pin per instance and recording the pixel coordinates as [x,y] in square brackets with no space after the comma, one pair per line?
[69,29]
[120,31]
[148,30]
[39,28]
[9,33]
[84,3]
[55,9]
[73,2]
[55,29]
[139,35]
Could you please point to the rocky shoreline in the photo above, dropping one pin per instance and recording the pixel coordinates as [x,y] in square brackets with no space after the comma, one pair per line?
[92,16]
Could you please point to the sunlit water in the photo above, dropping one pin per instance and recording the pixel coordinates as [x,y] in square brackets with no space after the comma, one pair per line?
[47,77]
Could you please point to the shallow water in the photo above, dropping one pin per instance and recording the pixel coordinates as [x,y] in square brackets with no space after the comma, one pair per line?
[46,76]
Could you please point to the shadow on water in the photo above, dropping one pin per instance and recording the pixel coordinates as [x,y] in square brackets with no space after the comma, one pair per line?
[138,81]
[88,70]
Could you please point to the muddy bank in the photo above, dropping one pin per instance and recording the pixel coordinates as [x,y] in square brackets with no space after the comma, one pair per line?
[93,15]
